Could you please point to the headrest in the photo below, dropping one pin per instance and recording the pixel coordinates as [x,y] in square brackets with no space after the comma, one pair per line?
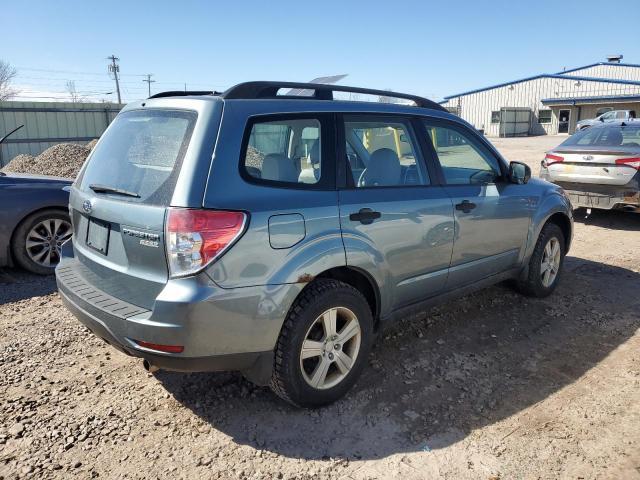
[279,168]
[383,169]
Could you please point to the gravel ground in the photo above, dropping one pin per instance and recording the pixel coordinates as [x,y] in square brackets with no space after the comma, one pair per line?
[491,386]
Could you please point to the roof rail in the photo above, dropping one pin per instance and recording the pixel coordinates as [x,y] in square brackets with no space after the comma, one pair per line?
[182,93]
[255,90]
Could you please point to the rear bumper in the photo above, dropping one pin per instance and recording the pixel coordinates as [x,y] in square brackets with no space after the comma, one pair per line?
[234,329]
[605,197]
[231,362]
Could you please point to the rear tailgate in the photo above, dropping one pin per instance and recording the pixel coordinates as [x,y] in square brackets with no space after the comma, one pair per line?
[589,166]
[120,249]
[118,205]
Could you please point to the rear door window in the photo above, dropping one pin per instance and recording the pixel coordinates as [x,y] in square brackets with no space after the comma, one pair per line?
[381,152]
[141,153]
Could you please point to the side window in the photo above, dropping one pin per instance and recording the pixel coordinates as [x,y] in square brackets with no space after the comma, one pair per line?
[284,151]
[381,152]
[609,116]
[544,116]
[602,110]
[621,114]
[462,162]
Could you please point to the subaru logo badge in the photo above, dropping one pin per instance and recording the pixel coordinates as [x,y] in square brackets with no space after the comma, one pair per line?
[86,206]
[588,157]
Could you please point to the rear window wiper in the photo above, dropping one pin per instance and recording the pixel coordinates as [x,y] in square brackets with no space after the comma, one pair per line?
[107,189]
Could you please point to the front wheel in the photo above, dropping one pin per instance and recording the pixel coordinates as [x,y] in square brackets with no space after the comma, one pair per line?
[546,263]
[323,345]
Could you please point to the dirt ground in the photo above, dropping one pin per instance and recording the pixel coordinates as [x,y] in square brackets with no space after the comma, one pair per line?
[492,386]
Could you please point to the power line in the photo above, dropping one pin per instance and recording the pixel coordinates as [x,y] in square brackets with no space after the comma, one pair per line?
[115,68]
[149,81]
[47,70]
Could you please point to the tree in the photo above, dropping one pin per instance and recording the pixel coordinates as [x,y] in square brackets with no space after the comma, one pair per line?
[7,73]
[73,93]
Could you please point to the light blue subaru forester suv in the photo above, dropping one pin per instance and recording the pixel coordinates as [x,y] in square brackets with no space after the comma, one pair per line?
[274,234]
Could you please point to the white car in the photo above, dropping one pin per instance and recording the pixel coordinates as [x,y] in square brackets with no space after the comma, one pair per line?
[607,117]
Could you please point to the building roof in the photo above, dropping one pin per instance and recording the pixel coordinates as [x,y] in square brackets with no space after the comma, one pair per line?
[553,75]
[590,100]
[634,65]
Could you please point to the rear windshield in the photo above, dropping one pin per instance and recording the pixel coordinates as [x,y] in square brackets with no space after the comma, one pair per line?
[140,155]
[610,136]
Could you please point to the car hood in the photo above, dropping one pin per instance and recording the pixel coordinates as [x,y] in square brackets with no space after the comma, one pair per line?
[28,178]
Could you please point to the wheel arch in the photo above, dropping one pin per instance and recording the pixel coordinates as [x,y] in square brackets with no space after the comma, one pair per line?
[358,279]
[564,222]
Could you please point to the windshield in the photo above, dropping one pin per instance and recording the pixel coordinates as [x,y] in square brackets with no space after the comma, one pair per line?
[610,136]
[140,154]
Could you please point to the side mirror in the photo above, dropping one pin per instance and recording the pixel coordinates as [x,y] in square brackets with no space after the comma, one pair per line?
[519,173]
[601,119]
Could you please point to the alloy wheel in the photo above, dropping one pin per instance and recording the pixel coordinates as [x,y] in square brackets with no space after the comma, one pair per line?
[550,265]
[330,348]
[45,239]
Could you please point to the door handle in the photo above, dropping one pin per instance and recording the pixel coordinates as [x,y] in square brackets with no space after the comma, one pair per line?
[466,206]
[365,216]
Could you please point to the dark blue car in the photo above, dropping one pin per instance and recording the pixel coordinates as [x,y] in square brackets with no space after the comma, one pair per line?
[34,221]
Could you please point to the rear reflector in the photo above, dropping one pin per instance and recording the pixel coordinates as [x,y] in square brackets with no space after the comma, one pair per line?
[161,348]
[197,237]
[550,159]
[629,162]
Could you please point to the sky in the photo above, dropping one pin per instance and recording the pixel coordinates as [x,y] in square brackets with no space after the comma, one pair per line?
[428,48]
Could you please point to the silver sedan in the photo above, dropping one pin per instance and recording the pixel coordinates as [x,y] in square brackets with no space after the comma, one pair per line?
[599,167]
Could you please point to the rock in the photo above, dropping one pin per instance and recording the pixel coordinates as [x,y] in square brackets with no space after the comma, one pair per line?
[17,429]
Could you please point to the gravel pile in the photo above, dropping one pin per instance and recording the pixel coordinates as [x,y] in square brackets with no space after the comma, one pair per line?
[92,144]
[254,158]
[62,160]
[22,163]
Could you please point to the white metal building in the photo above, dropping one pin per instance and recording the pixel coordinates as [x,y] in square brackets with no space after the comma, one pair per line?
[550,103]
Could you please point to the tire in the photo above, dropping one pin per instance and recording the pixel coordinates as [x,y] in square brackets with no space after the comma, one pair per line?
[537,284]
[300,381]
[34,245]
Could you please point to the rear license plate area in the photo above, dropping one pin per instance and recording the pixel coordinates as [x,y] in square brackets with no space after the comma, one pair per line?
[98,235]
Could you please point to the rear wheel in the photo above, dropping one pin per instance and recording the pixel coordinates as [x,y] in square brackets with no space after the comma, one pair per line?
[37,241]
[323,345]
[546,263]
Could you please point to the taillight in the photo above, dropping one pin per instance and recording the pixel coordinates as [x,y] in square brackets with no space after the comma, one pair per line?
[550,159]
[197,237]
[629,162]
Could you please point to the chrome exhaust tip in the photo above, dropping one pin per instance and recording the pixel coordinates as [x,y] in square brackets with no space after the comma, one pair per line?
[149,367]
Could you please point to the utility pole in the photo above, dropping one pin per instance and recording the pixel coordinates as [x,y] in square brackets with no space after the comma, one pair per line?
[115,68]
[149,81]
